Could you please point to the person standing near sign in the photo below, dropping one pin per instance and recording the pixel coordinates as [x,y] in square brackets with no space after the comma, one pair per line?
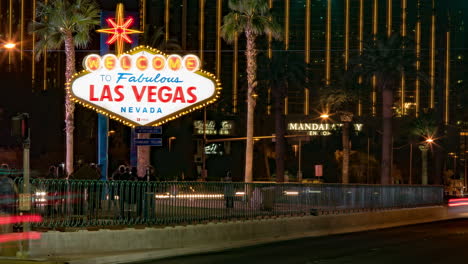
[229,190]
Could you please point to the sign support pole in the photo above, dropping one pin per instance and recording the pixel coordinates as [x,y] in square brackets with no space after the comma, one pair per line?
[103,123]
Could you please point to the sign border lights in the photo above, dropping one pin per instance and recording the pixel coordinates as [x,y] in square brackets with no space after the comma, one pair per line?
[111,62]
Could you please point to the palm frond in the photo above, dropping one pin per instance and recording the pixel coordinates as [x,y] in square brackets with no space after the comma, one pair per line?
[56,18]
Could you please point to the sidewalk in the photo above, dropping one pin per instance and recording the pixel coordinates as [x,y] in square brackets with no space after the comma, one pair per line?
[199,239]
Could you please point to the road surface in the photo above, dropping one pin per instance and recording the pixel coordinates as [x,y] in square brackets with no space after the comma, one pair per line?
[441,242]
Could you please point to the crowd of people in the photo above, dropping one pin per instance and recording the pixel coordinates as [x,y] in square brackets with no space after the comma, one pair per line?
[89,171]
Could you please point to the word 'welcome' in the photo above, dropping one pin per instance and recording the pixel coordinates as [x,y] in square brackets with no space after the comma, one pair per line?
[128,62]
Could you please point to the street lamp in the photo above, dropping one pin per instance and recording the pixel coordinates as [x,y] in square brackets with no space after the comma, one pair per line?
[429,140]
[9,45]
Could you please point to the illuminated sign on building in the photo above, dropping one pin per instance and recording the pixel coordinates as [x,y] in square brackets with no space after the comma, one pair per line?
[319,129]
[144,86]
[225,128]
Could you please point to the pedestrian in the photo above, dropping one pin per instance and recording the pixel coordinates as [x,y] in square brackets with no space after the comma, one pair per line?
[117,175]
[52,174]
[5,170]
[126,176]
[134,174]
[229,192]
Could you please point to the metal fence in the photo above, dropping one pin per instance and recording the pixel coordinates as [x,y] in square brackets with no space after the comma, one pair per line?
[80,203]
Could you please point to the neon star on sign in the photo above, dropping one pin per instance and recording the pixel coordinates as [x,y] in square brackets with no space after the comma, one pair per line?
[119,30]
[144,87]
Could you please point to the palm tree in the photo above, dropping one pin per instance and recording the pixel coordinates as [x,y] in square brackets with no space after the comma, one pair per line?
[65,22]
[386,59]
[339,99]
[283,70]
[251,17]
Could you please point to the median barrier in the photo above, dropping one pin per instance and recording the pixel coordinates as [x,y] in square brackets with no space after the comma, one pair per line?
[222,235]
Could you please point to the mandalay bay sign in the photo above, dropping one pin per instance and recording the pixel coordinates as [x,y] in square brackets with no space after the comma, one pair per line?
[319,129]
[143,87]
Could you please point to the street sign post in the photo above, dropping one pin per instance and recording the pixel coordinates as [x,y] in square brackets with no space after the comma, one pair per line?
[156,142]
[148,129]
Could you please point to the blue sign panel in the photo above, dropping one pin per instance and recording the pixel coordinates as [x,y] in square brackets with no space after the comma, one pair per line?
[148,142]
[148,129]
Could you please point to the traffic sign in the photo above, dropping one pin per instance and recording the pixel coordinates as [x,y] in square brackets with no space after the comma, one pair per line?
[148,142]
[148,129]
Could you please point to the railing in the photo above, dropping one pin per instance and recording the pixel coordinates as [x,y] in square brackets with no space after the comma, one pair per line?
[76,203]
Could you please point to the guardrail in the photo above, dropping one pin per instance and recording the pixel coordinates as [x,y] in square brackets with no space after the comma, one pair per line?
[81,203]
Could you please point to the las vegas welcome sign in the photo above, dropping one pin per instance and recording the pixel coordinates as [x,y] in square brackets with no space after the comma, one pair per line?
[143,86]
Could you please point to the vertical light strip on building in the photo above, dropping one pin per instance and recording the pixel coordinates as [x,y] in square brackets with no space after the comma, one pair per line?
[44,56]
[286,43]
[307,55]
[361,46]
[328,44]
[33,60]
[403,82]
[219,11]
[201,29]
[389,17]
[286,24]
[142,15]
[270,55]
[375,17]
[22,32]
[447,79]
[418,66]
[346,44]
[166,19]
[432,59]
[10,29]
[234,74]
[270,51]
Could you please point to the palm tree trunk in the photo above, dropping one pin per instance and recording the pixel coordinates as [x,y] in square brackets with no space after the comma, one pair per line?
[250,54]
[69,104]
[279,134]
[424,150]
[387,114]
[346,153]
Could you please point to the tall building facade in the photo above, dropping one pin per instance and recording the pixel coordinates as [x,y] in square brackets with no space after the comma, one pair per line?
[328,34]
